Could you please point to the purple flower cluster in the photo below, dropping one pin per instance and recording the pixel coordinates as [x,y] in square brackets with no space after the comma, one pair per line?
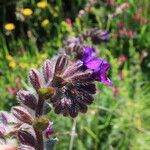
[66,82]
[73,86]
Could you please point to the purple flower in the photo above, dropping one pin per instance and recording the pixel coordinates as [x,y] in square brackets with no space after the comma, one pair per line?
[49,131]
[73,86]
[98,65]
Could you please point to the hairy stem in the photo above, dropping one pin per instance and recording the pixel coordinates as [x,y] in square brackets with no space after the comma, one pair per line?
[39,110]
[39,137]
[73,134]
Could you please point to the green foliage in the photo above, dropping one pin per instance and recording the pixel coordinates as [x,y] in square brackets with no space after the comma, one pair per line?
[118,119]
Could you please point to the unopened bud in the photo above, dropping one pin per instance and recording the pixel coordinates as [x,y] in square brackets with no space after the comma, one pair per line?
[22,114]
[73,69]
[6,118]
[2,130]
[27,99]
[61,63]
[26,138]
[48,70]
[82,76]
[35,79]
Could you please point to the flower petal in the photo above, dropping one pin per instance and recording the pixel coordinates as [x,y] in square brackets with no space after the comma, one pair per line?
[94,64]
[88,53]
[102,77]
[105,66]
[106,80]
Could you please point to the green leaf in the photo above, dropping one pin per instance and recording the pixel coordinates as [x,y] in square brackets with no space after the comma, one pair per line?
[91,133]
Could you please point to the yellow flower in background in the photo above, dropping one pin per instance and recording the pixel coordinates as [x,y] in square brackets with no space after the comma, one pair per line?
[41,58]
[9,26]
[9,57]
[27,12]
[23,65]
[45,22]
[42,4]
[12,64]
[132,105]
[33,65]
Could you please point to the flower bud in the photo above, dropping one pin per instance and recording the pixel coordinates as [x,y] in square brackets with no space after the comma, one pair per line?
[73,69]
[82,76]
[26,138]
[61,63]
[35,79]
[48,70]
[99,36]
[27,99]
[2,130]
[122,58]
[22,114]
[68,22]
[6,117]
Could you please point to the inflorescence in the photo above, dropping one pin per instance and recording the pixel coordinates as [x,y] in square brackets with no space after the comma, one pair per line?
[66,82]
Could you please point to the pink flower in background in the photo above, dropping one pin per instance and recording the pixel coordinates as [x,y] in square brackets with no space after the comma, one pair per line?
[126,5]
[143,21]
[115,91]
[110,2]
[69,22]
[21,51]
[122,32]
[121,75]
[12,91]
[137,17]
[120,24]
[129,33]
[122,58]
[125,32]
[17,80]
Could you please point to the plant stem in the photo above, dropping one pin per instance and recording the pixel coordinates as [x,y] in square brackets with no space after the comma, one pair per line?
[73,134]
[39,137]
[39,110]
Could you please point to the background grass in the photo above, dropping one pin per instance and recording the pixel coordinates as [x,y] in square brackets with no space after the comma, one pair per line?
[119,117]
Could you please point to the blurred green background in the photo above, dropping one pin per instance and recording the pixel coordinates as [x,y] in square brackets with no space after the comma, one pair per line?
[32,31]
